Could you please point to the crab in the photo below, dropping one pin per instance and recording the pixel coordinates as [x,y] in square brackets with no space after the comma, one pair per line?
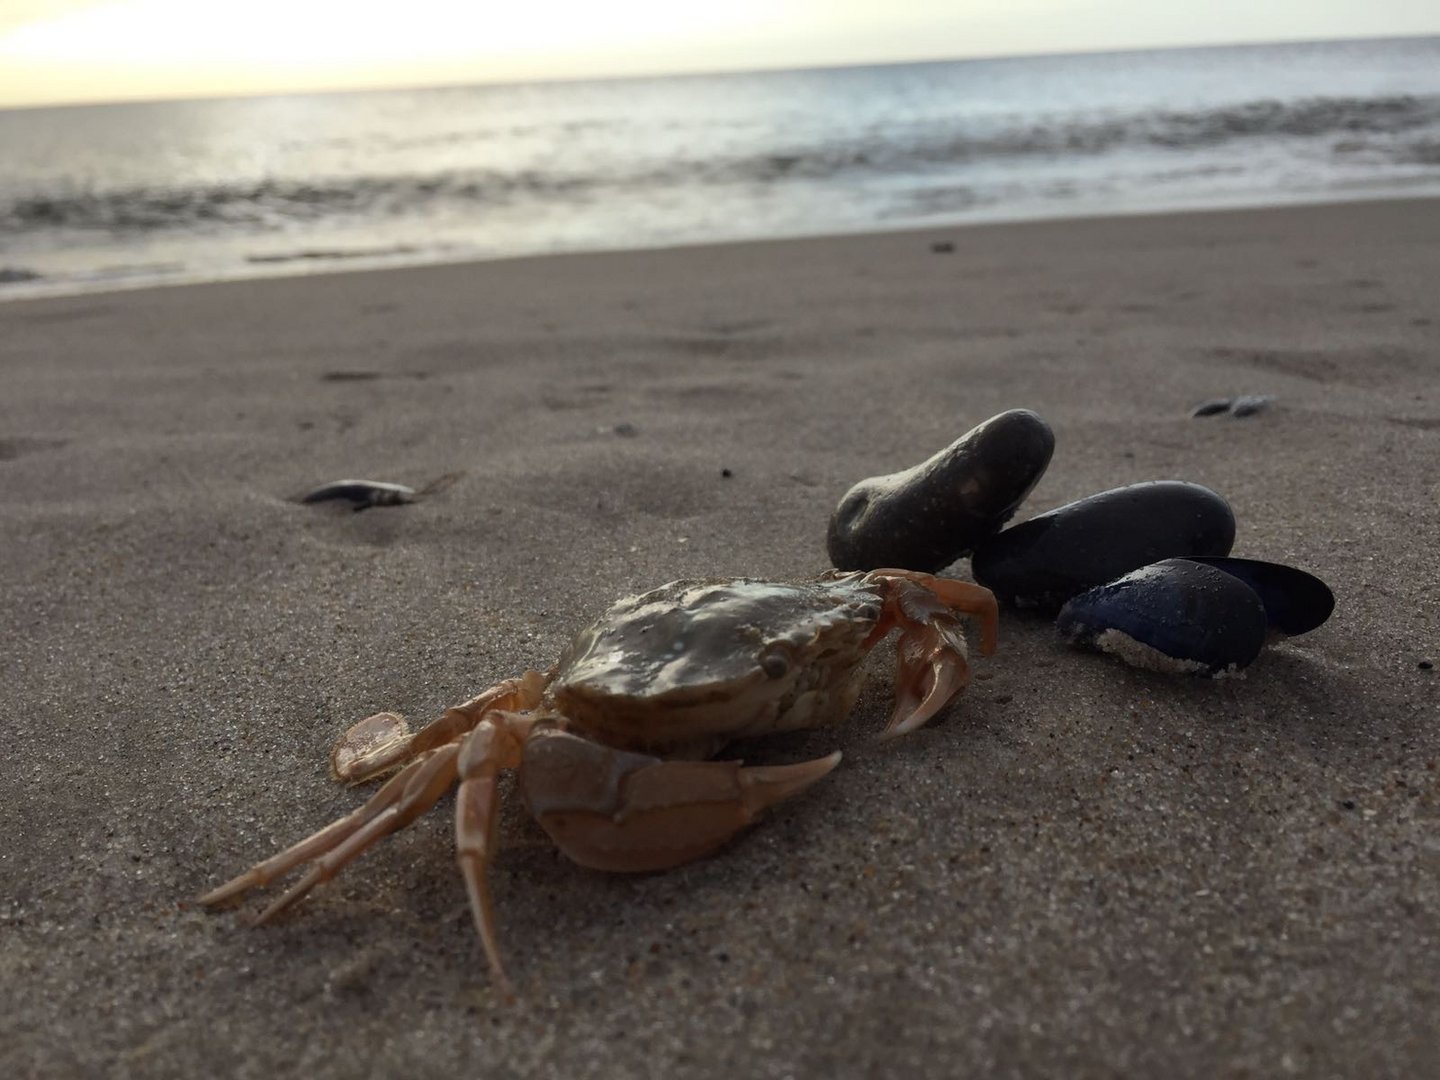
[612,743]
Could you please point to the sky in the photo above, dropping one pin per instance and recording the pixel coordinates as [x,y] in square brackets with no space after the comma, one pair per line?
[65,51]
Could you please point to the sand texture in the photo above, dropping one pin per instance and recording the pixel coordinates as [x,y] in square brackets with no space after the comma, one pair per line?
[1083,869]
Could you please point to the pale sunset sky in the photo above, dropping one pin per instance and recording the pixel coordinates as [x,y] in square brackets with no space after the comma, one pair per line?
[62,51]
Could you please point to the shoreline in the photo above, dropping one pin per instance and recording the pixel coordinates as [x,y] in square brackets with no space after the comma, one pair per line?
[290,265]
[1081,868]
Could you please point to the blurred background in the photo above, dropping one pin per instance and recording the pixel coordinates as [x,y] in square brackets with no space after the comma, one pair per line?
[162,140]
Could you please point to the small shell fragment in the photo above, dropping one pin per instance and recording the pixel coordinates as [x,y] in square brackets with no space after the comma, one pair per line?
[1250,404]
[1245,405]
[1213,407]
[362,494]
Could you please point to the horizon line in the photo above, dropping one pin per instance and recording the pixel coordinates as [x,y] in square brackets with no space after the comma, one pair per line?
[709,73]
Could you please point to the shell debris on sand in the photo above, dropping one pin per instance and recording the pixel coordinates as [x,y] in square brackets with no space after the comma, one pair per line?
[1242,406]
[361,494]
[1141,572]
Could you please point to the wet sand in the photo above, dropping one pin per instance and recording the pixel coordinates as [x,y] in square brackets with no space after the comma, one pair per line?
[1082,869]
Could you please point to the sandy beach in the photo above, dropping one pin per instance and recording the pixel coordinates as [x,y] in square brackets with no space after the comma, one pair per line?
[1082,869]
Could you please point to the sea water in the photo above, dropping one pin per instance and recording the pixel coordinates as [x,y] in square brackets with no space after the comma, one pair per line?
[99,196]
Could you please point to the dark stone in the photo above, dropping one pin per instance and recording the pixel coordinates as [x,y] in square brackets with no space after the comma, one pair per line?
[1178,616]
[930,515]
[1045,561]
[1295,602]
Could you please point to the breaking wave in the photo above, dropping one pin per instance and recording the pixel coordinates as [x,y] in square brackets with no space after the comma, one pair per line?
[1400,129]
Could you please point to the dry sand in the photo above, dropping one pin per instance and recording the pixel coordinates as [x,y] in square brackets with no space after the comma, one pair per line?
[1083,869]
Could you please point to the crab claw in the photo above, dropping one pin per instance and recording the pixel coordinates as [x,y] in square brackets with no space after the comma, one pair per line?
[931,665]
[614,810]
[930,671]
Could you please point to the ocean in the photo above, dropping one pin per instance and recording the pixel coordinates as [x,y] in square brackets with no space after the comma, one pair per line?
[109,196]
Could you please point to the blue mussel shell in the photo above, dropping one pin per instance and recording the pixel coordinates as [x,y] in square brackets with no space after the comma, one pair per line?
[1178,616]
[1295,602]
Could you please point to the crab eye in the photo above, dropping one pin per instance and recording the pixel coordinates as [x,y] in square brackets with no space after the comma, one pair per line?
[774,662]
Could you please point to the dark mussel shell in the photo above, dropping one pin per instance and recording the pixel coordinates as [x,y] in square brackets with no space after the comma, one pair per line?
[1212,407]
[1295,602]
[1177,616]
[933,513]
[361,494]
[1045,561]
[1245,405]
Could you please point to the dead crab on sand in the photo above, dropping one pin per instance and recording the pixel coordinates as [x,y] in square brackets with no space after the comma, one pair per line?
[611,743]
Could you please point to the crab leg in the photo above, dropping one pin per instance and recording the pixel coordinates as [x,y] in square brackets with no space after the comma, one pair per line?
[605,808]
[968,599]
[961,596]
[400,801]
[381,742]
[614,810]
[494,745]
[931,667]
